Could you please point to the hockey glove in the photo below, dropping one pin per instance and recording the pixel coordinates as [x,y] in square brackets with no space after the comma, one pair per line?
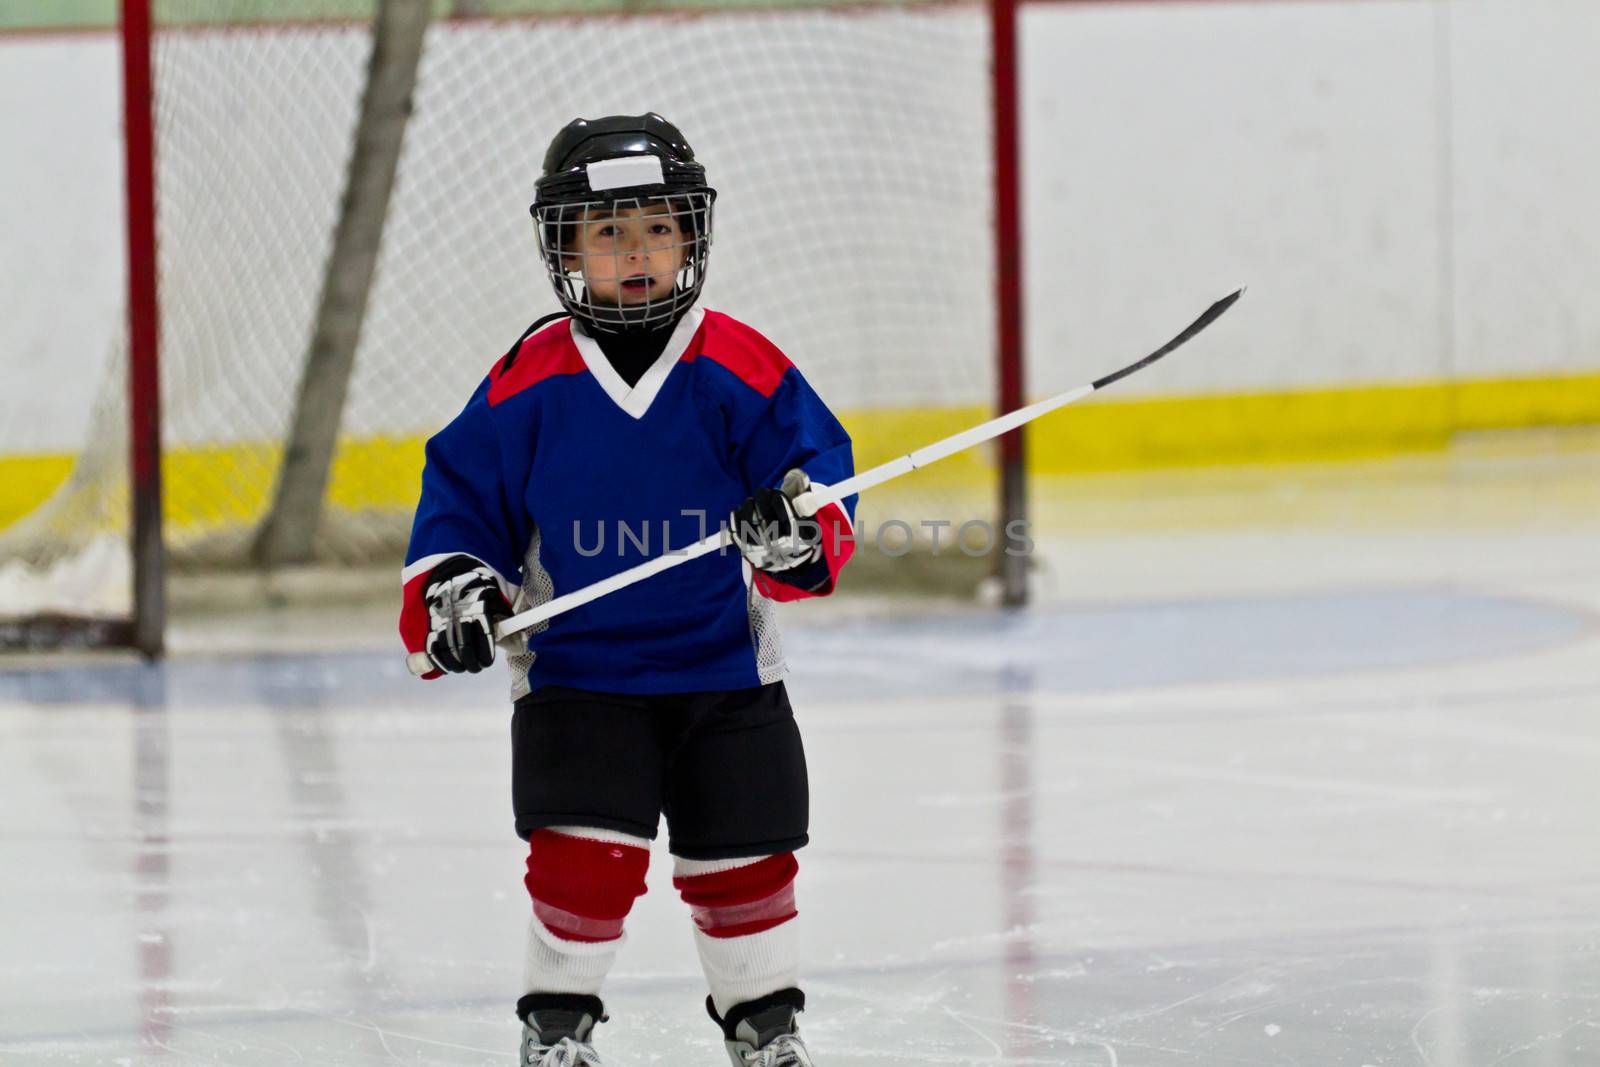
[464,604]
[775,539]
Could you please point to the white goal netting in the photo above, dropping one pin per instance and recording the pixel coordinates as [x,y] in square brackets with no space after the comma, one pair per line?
[850,148]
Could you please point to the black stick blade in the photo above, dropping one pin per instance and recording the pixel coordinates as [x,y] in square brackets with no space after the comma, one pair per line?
[1211,314]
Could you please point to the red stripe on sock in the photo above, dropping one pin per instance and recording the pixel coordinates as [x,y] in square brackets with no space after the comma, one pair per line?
[742,901]
[741,885]
[746,929]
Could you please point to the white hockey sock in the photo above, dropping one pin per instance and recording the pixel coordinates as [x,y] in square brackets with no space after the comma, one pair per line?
[555,965]
[730,896]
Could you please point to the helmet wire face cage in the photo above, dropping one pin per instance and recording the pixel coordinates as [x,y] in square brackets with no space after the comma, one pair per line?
[627,262]
[623,217]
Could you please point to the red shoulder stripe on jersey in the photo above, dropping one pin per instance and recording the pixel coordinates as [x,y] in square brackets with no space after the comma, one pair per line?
[752,358]
[544,355]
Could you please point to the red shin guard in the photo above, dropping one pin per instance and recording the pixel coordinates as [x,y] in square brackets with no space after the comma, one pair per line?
[745,900]
[583,889]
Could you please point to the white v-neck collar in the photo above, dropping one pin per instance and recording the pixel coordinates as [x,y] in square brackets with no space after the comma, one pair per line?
[635,401]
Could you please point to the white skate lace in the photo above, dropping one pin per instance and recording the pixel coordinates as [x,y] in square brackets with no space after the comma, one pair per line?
[785,1050]
[564,1053]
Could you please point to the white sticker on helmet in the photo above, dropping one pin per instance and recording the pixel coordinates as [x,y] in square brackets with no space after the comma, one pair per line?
[623,172]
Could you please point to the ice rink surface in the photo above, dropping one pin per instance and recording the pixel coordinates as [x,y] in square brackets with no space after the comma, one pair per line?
[1290,766]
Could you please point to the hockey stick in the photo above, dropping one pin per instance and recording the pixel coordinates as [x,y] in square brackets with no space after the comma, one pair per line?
[808,504]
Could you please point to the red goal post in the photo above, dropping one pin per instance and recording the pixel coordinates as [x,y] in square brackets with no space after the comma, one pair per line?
[148,607]
[867,156]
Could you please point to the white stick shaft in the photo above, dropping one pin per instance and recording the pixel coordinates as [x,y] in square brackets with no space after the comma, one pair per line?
[621,580]
[807,504]
[811,503]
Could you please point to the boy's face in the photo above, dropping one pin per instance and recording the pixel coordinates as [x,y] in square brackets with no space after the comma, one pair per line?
[628,254]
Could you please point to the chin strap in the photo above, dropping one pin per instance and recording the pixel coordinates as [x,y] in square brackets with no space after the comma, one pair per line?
[597,328]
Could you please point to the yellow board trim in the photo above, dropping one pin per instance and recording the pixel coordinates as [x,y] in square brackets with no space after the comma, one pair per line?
[27,481]
[1305,425]
[227,485]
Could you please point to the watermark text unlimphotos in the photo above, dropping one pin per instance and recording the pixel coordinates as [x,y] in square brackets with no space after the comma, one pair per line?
[891,537]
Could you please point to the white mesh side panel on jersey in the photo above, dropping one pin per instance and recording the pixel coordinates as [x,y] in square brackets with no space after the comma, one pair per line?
[537,588]
[765,640]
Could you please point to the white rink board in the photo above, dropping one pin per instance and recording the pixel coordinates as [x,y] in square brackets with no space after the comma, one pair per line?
[62,265]
[1404,185]
[1184,149]
[1525,230]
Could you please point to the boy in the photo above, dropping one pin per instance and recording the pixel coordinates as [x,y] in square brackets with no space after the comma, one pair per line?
[626,429]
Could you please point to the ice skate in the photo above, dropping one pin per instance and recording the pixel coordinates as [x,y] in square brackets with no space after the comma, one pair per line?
[556,1029]
[764,1033]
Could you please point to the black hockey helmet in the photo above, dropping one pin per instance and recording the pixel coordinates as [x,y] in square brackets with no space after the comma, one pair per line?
[607,166]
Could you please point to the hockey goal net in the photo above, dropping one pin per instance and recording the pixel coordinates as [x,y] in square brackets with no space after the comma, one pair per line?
[851,151]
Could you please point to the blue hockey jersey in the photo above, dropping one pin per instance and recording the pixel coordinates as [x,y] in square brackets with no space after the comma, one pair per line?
[558,474]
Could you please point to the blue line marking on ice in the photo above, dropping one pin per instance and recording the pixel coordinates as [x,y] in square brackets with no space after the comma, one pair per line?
[1053,649]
